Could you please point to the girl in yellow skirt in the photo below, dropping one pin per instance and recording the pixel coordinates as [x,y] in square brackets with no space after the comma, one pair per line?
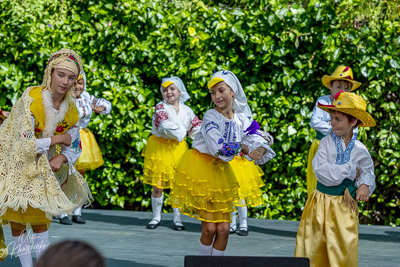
[39,144]
[172,121]
[250,181]
[341,79]
[328,231]
[205,185]
[90,158]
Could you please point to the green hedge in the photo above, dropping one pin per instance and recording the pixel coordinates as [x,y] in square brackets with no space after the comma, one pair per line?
[278,49]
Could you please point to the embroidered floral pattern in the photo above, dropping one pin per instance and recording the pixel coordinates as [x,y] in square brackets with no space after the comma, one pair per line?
[343,156]
[61,127]
[77,145]
[229,149]
[38,131]
[211,125]
[230,128]
[159,106]
[160,116]
[196,122]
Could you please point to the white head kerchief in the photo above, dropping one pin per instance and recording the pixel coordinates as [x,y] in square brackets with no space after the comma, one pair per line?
[178,82]
[239,100]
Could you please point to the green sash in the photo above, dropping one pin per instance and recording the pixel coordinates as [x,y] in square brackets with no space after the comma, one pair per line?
[319,135]
[338,190]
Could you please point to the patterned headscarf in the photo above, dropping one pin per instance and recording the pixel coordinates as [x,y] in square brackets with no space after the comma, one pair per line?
[178,82]
[63,59]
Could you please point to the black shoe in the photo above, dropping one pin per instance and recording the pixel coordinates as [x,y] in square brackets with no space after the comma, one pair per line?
[78,219]
[232,230]
[243,231]
[153,224]
[65,220]
[178,226]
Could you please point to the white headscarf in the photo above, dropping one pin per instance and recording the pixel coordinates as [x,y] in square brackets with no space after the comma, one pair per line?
[84,94]
[165,82]
[239,100]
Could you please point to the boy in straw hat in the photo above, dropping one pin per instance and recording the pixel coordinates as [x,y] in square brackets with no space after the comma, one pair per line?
[328,230]
[340,80]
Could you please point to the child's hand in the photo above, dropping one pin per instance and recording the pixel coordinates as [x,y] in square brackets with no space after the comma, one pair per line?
[57,161]
[362,193]
[245,149]
[99,109]
[257,153]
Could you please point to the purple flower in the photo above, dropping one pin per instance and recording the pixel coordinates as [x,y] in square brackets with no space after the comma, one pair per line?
[49,25]
[253,128]
[220,141]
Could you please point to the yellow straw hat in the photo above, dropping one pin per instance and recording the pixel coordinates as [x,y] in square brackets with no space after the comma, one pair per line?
[353,105]
[343,73]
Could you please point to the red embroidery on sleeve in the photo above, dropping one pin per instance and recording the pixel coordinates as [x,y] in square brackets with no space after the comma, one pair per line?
[160,117]
[159,106]
[196,122]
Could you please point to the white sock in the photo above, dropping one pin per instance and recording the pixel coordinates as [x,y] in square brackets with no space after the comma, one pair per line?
[78,211]
[177,215]
[205,250]
[23,247]
[242,211]
[217,252]
[156,205]
[233,219]
[62,215]
[40,243]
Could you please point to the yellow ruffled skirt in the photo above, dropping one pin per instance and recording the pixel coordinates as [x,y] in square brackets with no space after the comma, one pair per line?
[311,179]
[205,187]
[160,157]
[328,232]
[250,181]
[90,158]
[20,219]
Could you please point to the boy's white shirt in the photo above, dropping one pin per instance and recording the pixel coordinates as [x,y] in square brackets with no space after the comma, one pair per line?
[330,174]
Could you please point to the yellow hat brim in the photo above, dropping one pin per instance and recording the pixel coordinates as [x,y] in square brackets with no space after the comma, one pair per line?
[2,117]
[214,81]
[166,84]
[365,118]
[326,79]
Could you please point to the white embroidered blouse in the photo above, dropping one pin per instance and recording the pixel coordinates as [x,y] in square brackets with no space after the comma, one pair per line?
[217,130]
[171,125]
[85,105]
[335,162]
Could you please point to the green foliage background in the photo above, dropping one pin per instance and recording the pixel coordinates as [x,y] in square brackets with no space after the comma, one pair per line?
[278,49]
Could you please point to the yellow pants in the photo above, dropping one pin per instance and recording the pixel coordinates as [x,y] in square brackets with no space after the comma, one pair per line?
[311,179]
[328,232]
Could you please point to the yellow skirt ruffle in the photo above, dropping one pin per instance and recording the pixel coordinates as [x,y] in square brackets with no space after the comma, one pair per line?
[205,187]
[250,181]
[311,179]
[160,157]
[19,219]
[328,232]
[90,158]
